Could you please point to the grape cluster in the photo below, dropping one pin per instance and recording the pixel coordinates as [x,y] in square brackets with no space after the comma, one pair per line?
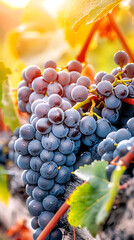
[72,122]
[12,154]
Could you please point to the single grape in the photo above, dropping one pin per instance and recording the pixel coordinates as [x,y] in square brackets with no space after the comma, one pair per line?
[35,208]
[130,125]
[63,175]
[34,148]
[45,218]
[60,130]
[50,75]
[35,103]
[23,94]
[104,88]
[29,199]
[56,234]
[90,140]
[54,88]
[31,72]
[22,106]
[66,146]
[45,184]
[57,190]
[21,146]
[39,194]
[74,76]
[122,134]
[36,163]
[49,170]
[22,83]
[74,133]
[85,158]
[34,96]
[98,76]
[103,127]
[68,90]
[54,100]
[41,110]
[74,65]
[55,115]
[107,156]
[34,222]
[129,70]
[112,102]
[43,126]
[87,125]
[32,176]
[79,93]
[108,77]
[70,160]
[24,161]
[121,91]
[84,81]
[63,78]
[121,58]
[46,156]
[71,117]
[23,177]
[111,115]
[123,147]
[27,132]
[59,158]
[39,85]
[50,64]
[50,142]
[65,105]
[29,189]
[50,203]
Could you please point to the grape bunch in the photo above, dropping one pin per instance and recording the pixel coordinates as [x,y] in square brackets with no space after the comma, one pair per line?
[72,122]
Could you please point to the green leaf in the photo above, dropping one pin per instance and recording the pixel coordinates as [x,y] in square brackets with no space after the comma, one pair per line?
[91,202]
[8,108]
[4,191]
[4,72]
[79,11]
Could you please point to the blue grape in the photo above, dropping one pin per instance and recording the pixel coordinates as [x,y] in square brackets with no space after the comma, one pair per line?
[100,148]
[43,126]
[57,190]
[45,218]
[39,85]
[35,147]
[107,156]
[111,135]
[54,88]
[56,115]
[34,222]
[66,146]
[34,96]
[59,158]
[71,117]
[122,134]
[108,77]
[29,199]
[23,176]
[50,142]
[22,106]
[77,145]
[94,152]
[65,105]
[109,170]
[35,208]
[74,133]
[45,184]
[123,147]
[104,88]
[38,135]
[121,91]
[37,233]
[50,203]
[87,125]
[50,75]
[130,125]
[29,189]
[74,75]
[24,161]
[34,121]
[41,110]
[27,132]
[46,156]
[56,234]
[90,140]
[98,76]
[85,158]
[36,163]
[79,93]
[84,81]
[31,72]
[103,127]
[108,144]
[121,58]
[24,94]
[111,115]
[131,90]
[63,78]
[21,146]
[112,102]
[50,64]
[129,70]
[63,175]
[70,159]
[49,170]
[32,176]
[35,103]
[28,108]
[39,194]
[60,130]
[54,100]
[74,65]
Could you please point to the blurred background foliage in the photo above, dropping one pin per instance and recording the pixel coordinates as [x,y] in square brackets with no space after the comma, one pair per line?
[33,31]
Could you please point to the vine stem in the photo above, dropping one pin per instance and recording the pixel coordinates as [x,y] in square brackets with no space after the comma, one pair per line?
[121,36]
[53,221]
[81,56]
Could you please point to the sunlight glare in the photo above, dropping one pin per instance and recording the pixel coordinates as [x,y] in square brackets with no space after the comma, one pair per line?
[53,5]
[15,3]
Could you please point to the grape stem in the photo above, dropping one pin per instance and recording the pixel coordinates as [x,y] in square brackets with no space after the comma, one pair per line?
[121,36]
[88,100]
[82,55]
[53,221]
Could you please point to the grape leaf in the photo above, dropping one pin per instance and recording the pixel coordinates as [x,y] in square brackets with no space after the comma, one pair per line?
[6,103]
[4,192]
[92,201]
[79,11]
